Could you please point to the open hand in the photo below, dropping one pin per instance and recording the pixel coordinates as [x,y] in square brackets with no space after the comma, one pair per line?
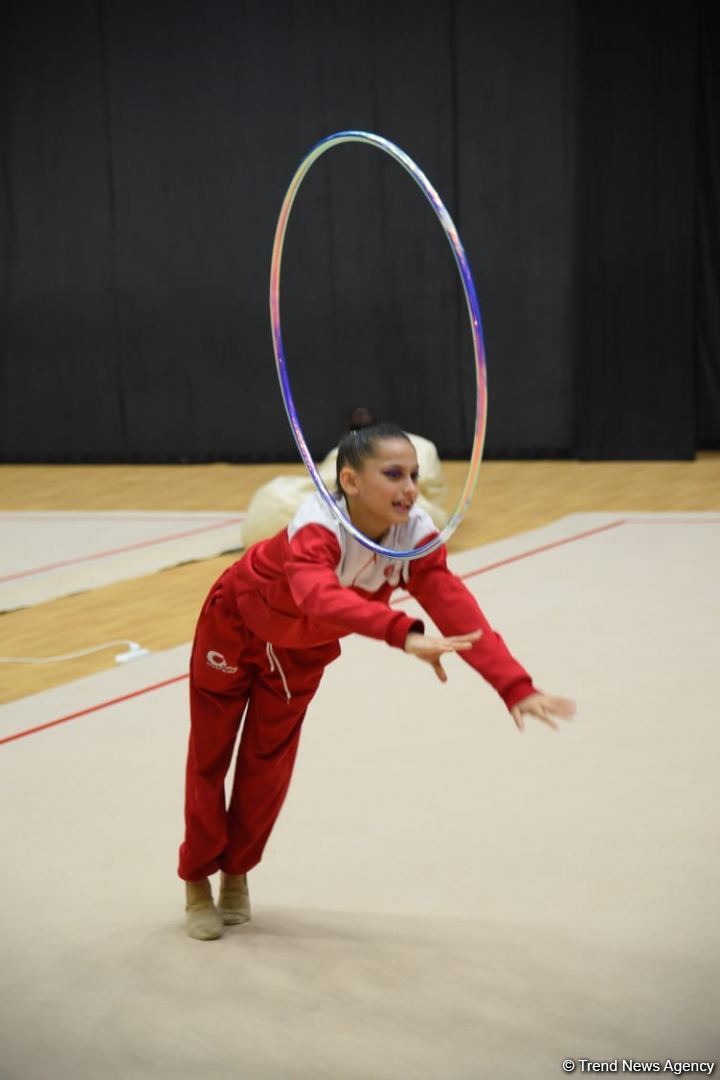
[544,707]
[430,649]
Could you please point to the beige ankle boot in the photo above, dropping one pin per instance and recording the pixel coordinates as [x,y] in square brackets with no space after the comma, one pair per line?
[202,918]
[234,899]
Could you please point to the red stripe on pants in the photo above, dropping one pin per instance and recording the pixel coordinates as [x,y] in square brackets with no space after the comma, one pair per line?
[231,675]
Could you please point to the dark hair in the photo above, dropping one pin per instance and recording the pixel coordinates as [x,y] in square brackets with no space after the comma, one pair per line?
[359,444]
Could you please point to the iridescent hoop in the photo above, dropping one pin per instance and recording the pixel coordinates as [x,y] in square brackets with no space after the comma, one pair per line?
[475,324]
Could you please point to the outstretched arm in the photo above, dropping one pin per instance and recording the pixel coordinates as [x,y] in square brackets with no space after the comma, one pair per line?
[454,609]
[311,573]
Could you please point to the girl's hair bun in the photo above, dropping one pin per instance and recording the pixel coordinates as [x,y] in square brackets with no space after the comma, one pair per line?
[360,417]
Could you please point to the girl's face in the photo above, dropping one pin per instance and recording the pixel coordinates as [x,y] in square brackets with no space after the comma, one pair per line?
[382,492]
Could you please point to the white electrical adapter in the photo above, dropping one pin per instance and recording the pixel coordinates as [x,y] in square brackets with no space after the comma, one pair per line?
[134,652]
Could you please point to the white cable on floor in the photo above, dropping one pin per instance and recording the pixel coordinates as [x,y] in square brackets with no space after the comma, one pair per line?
[134,652]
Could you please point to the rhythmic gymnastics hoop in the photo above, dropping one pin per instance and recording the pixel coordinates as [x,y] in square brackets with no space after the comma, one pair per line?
[475,325]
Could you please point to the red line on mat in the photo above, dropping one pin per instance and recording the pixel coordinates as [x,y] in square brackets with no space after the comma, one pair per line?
[399,600]
[673,521]
[120,550]
[527,554]
[92,708]
[544,547]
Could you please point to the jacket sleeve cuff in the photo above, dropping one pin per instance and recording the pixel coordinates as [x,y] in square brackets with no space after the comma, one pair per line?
[518,692]
[401,627]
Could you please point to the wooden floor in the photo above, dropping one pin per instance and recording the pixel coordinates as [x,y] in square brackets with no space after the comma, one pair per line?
[160,610]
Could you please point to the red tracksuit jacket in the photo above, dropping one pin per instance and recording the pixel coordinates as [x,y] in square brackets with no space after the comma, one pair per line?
[314,583]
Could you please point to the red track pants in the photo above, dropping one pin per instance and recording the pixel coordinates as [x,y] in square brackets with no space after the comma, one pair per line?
[231,671]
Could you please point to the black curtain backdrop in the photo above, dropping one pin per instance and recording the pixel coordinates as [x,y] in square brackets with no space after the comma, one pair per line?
[707,251]
[146,149]
[634,230]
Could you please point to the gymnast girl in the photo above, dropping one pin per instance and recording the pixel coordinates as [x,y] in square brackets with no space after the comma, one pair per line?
[269,628]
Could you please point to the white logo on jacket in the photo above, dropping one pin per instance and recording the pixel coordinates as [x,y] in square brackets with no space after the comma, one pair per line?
[217,661]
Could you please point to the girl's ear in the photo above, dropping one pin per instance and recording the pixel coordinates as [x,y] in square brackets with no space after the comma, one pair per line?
[348,481]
